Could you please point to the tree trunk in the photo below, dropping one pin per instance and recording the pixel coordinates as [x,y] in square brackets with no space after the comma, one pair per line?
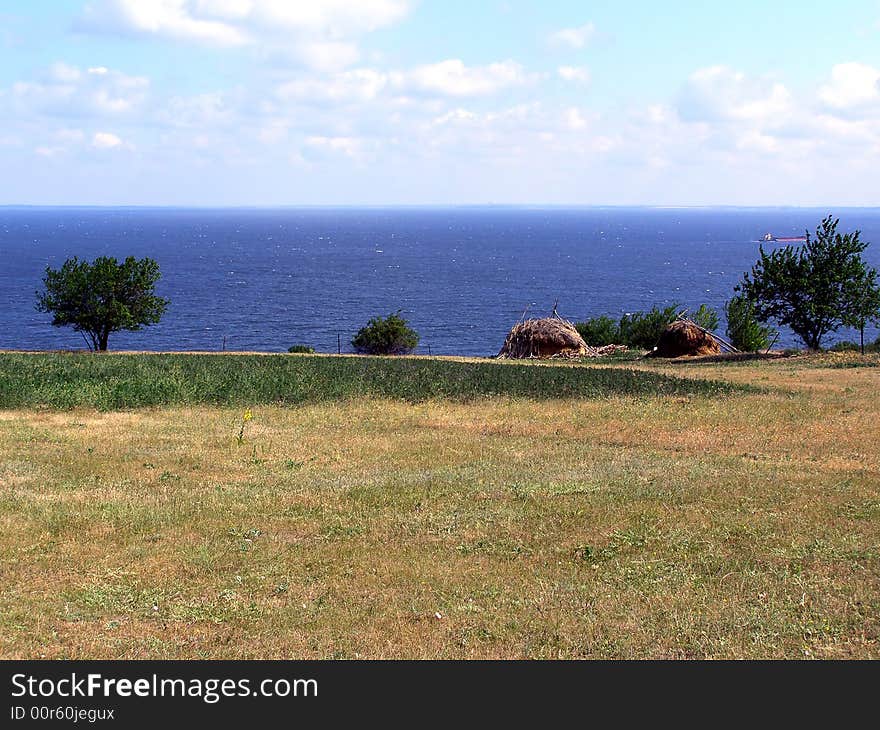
[102,341]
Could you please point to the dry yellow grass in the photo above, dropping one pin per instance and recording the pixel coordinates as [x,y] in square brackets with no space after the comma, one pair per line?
[746,526]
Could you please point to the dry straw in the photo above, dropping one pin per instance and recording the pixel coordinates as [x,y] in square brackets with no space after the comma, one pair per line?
[548,337]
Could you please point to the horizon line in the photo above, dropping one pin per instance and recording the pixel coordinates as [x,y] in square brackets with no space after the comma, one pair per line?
[435,206]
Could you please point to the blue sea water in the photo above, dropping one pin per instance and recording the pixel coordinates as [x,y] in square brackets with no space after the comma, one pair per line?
[257,279]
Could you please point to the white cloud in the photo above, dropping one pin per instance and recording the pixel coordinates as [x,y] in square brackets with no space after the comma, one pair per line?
[327,55]
[450,78]
[74,136]
[862,132]
[317,147]
[46,151]
[357,85]
[331,18]
[62,73]
[456,116]
[202,111]
[758,142]
[346,144]
[105,141]
[453,78]
[168,18]
[274,131]
[719,93]
[574,37]
[580,74]
[67,90]
[520,127]
[574,119]
[320,33]
[64,141]
[852,86]
[744,120]
[434,121]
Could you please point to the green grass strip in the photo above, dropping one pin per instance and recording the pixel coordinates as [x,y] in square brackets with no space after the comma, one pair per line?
[112,382]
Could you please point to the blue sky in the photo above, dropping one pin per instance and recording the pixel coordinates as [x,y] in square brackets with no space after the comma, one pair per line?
[326,102]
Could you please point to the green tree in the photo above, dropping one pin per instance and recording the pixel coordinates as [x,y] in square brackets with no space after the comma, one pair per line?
[102,297]
[746,333]
[814,288]
[865,308]
[388,336]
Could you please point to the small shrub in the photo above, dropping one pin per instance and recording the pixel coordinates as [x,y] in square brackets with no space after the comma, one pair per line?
[642,329]
[705,317]
[599,331]
[848,346]
[746,333]
[388,336]
[305,349]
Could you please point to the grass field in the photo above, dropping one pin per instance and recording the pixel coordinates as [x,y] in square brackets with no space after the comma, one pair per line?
[427,508]
[110,382]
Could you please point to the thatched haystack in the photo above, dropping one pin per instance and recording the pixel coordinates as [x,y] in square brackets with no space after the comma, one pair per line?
[685,338]
[548,337]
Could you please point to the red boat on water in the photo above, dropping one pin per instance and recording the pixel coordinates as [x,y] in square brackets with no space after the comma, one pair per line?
[771,237]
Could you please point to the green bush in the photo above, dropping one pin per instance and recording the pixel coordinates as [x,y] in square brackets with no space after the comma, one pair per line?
[746,333]
[305,349]
[599,331]
[389,336]
[848,346]
[705,317]
[642,329]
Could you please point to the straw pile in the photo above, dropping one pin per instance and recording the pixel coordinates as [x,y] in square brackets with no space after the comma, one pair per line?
[684,337]
[543,338]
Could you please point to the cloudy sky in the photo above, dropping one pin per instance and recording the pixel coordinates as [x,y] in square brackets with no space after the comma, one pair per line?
[290,102]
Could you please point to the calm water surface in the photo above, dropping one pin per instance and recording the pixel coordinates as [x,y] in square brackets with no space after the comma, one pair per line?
[268,279]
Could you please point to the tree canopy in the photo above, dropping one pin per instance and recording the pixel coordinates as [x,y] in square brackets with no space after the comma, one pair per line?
[817,287]
[102,297]
[388,336]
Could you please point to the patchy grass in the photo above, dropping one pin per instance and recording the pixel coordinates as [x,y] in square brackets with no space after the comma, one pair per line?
[628,525]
